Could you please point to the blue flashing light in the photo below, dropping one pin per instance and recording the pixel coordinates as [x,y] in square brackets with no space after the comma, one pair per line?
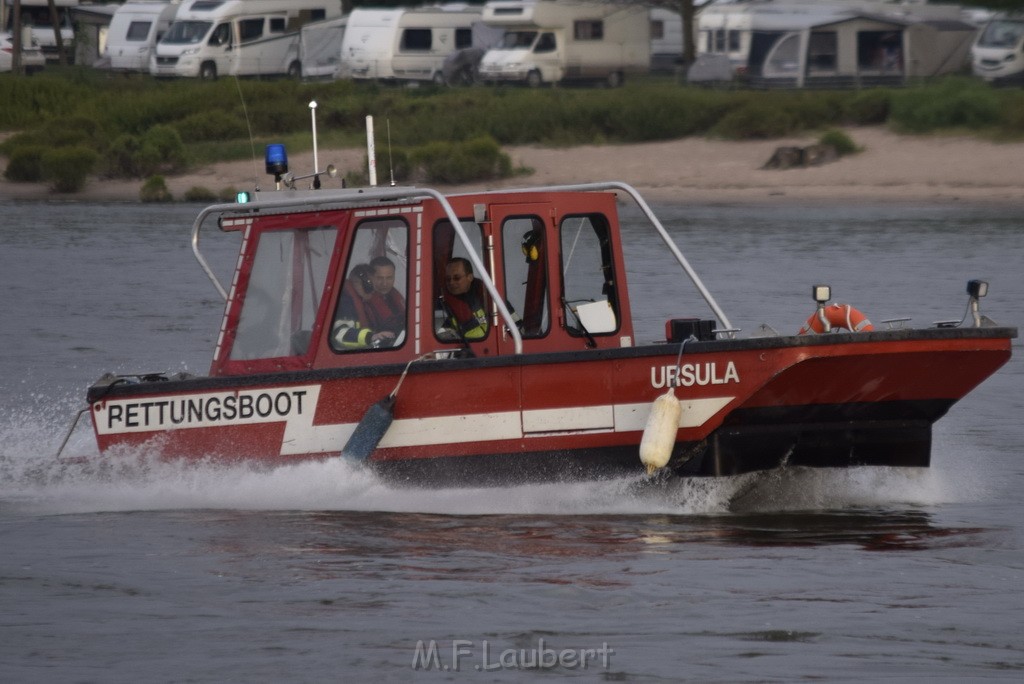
[276,159]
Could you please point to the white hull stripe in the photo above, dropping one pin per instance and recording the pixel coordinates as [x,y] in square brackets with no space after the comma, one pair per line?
[296,406]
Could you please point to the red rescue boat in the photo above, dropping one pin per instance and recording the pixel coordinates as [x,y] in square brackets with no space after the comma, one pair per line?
[343,335]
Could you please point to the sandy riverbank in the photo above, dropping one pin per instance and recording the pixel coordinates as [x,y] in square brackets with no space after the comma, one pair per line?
[890,168]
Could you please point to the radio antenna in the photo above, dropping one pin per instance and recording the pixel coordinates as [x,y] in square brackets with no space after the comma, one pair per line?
[252,142]
[391,163]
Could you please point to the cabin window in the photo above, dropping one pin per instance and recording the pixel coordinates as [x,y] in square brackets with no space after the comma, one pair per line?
[461,305]
[719,40]
[1002,33]
[221,35]
[188,32]
[526,273]
[734,41]
[880,51]
[250,29]
[463,38]
[657,29]
[138,30]
[277,24]
[588,30]
[283,295]
[416,40]
[589,299]
[514,40]
[371,312]
[546,43]
[821,51]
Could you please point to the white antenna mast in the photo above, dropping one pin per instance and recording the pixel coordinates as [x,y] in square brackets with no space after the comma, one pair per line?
[391,162]
[370,152]
[312,114]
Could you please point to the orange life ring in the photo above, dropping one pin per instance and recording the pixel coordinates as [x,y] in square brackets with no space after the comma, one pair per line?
[838,316]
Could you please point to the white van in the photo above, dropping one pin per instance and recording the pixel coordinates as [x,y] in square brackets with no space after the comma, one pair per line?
[998,52]
[551,42]
[408,44]
[134,31]
[237,37]
[35,16]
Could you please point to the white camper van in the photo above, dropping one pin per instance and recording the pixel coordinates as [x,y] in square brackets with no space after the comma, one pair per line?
[998,52]
[408,44]
[237,37]
[134,31]
[550,42]
[35,16]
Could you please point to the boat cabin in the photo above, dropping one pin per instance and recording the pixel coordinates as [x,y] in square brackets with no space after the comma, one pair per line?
[387,276]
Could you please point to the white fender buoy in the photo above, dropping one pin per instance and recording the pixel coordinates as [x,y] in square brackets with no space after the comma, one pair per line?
[660,432]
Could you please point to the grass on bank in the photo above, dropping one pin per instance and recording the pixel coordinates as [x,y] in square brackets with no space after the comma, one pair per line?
[140,127]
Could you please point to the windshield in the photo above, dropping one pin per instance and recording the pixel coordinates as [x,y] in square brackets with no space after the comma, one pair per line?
[1004,34]
[186,32]
[518,40]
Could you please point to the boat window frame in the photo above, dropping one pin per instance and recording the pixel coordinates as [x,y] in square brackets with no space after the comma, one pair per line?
[345,272]
[610,287]
[439,261]
[516,248]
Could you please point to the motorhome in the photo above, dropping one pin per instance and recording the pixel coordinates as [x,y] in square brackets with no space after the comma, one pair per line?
[134,31]
[237,37]
[551,42]
[409,44]
[35,15]
[998,52]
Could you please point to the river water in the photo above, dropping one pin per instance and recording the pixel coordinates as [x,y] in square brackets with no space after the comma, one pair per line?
[140,570]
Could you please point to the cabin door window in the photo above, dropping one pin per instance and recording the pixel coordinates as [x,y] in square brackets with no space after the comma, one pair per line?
[462,309]
[589,299]
[283,293]
[372,311]
[525,265]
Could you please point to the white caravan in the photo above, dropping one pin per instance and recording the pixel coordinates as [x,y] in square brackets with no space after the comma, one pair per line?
[998,53]
[134,31]
[666,40]
[409,44]
[35,15]
[550,42]
[237,37]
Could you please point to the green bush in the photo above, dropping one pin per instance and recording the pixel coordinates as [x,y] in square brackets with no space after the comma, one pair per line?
[119,160]
[25,164]
[954,103]
[162,146]
[755,119]
[869,107]
[200,194]
[155,190]
[840,141]
[67,168]
[461,162]
[210,125]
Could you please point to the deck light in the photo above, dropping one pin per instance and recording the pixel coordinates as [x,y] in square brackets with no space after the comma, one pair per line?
[821,293]
[977,288]
[277,161]
[242,197]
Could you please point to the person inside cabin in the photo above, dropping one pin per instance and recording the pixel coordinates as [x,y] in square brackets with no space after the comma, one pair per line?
[351,328]
[465,303]
[385,307]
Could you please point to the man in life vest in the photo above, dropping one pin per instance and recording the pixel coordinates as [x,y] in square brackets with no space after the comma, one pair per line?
[464,301]
[385,307]
[351,328]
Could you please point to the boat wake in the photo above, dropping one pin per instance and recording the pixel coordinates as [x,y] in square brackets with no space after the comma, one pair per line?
[33,480]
